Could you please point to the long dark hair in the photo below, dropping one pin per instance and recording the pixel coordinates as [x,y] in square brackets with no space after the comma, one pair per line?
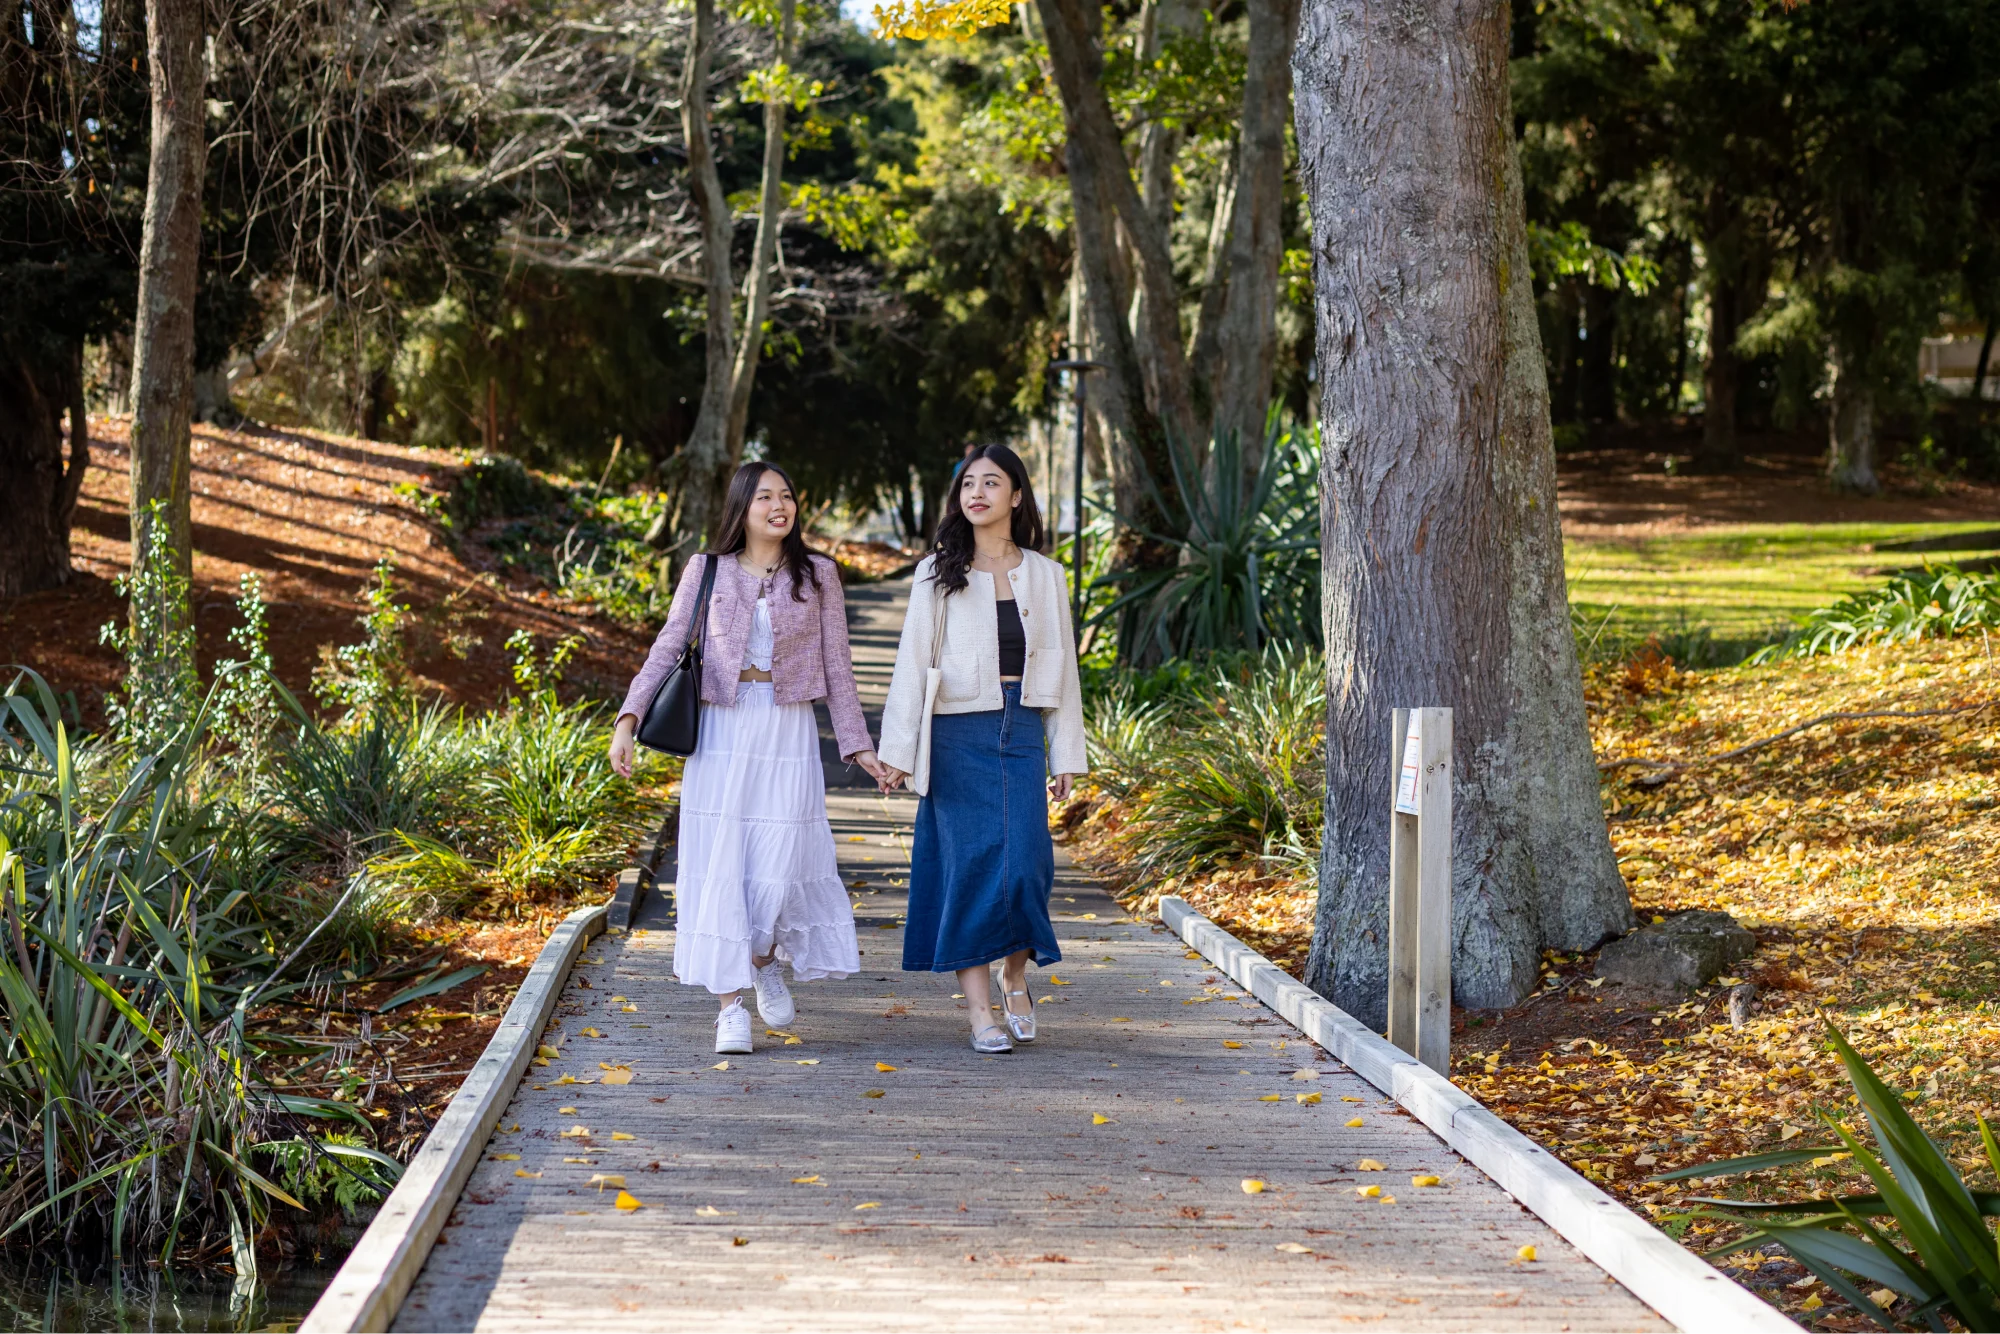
[730,537]
[954,535]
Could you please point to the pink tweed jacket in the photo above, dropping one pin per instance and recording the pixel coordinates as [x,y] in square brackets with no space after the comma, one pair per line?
[810,658]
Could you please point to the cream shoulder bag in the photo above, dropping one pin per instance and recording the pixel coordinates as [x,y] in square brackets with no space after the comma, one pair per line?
[920,778]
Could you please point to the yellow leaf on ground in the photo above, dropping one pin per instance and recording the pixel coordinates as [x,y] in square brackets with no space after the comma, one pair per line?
[1356,1123]
[709,1211]
[857,838]
[1812,1303]
[1345,1098]
[1055,981]
[617,1000]
[1525,1253]
[1099,1119]
[585,1161]
[739,1241]
[524,1172]
[547,1052]
[603,1179]
[618,1077]
[1883,1297]
[1271,1097]
[720,1065]
[1305,1074]
[1787,1132]
[627,1202]
[1252,1186]
[1368,1192]
[1121,1019]
[1233,1046]
[565,1111]
[567,1079]
[874,1093]
[806,1181]
[811,1062]
[619,1134]
[577,1132]
[1388,1199]
[591,1033]
[1293,1248]
[871,1204]
[1368,1165]
[1086,917]
[506,1157]
[632,1009]
[885,1067]
[1423,1181]
[1306,1097]
[775,1033]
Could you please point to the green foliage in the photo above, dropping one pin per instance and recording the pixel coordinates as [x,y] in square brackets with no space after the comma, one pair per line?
[128,1111]
[1221,763]
[337,1166]
[161,691]
[1567,250]
[1247,566]
[540,676]
[247,708]
[1940,603]
[1941,1256]
[373,675]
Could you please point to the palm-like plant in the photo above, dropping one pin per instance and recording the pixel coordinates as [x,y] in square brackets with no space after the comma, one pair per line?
[1947,1264]
[1247,564]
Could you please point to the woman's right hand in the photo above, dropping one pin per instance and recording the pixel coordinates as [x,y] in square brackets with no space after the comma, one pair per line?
[890,778]
[621,745]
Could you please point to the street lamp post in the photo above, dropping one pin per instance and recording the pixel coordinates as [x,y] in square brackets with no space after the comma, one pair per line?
[1077,370]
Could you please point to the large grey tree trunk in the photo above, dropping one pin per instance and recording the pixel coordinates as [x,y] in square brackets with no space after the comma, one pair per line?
[703,459]
[169,265]
[37,492]
[1850,462]
[1442,548]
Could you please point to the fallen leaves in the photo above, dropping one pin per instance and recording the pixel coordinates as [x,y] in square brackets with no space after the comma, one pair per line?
[1252,1186]
[619,1134]
[627,1202]
[1292,1248]
[720,1065]
[1227,1042]
[1423,1181]
[1525,1253]
[547,1053]
[1354,1124]
[867,1204]
[603,1179]
[1368,1192]
[806,1181]
[874,1093]
[1272,1097]
[1309,1099]
[524,1172]
[1099,1119]
[590,1033]
[1369,1165]
[1055,981]
[576,1132]
[617,1075]
[885,1067]
[506,1157]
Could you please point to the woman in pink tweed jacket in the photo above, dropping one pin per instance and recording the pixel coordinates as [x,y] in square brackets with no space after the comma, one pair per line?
[758,883]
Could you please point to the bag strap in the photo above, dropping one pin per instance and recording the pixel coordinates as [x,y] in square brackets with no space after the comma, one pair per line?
[699,635]
[942,610]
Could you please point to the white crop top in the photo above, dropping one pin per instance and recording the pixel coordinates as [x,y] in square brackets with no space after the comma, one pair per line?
[757,653]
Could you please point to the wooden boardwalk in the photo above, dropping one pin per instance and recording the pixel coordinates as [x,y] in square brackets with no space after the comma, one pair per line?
[867,1170]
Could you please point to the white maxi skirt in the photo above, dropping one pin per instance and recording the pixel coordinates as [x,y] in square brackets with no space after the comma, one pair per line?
[757,869]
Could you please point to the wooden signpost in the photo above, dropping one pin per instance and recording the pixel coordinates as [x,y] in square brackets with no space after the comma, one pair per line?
[1420,886]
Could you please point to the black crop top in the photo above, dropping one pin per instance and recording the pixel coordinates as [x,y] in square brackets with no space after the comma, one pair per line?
[1013,639]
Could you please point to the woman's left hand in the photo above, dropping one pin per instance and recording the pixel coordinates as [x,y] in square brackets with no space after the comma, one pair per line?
[1059,786]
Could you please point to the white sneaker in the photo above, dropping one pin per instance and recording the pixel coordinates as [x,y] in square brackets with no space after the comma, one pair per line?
[774,998]
[732,1031]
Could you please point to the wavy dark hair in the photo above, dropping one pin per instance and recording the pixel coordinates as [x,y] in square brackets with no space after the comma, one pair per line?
[730,537]
[953,548]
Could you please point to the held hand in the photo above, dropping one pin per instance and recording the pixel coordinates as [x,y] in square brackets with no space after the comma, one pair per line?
[872,766]
[621,746]
[890,778]
[1059,786]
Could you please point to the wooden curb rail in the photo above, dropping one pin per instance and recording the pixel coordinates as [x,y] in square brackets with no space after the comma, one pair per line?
[371,1285]
[1689,1292]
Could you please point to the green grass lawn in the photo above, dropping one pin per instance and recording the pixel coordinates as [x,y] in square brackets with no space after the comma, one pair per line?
[1732,587]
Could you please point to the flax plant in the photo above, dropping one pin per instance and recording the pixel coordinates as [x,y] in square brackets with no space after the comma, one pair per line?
[128,1111]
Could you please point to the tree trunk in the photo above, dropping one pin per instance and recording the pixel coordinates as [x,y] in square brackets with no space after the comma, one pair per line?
[1850,463]
[700,464]
[1718,451]
[770,205]
[169,265]
[1984,364]
[1442,548]
[1246,345]
[37,493]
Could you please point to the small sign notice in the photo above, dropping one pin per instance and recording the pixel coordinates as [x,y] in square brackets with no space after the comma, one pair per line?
[1406,784]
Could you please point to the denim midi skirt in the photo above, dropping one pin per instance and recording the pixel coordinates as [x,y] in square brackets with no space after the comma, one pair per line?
[982,865]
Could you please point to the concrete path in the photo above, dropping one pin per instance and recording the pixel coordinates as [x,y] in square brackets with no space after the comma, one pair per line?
[866,1170]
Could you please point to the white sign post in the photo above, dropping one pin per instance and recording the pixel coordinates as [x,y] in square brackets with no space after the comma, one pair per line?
[1420,886]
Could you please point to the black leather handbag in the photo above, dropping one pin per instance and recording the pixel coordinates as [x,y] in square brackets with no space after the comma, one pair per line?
[673,720]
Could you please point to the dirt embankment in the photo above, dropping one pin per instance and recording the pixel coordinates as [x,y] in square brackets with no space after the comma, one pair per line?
[311,513]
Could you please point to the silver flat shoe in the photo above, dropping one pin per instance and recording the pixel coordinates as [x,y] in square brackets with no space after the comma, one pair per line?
[990,1041]
[1022,1026]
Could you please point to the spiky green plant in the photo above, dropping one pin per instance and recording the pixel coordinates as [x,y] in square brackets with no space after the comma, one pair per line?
[1942,1254]
[128,1107]
[1246,571]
